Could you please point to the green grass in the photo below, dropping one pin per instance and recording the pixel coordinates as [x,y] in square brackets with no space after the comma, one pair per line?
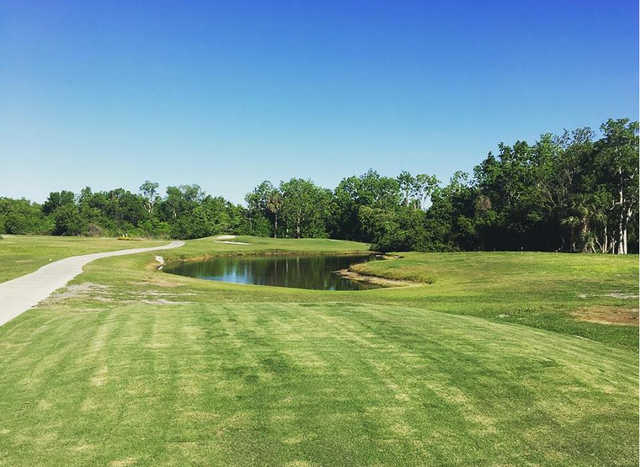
[542,290]
[148,368]
[260,245]
[20,254]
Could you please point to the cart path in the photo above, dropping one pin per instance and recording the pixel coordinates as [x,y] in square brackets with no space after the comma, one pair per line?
[24,292]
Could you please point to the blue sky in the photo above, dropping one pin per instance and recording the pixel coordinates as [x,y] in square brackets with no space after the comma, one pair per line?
[226,94]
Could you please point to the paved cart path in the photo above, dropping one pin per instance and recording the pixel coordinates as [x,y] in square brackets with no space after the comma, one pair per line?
[22,293]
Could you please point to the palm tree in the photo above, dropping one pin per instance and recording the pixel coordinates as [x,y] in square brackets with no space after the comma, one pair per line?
[274,205]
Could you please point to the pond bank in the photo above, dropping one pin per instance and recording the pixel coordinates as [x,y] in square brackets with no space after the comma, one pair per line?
[381,281]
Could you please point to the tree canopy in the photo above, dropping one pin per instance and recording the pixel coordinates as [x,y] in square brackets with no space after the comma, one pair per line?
[568,192]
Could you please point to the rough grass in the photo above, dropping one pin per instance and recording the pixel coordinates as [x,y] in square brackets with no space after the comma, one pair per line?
[146,368]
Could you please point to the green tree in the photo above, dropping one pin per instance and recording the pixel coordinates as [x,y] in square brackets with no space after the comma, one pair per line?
[304,207]
[258,212]
[149,191]
[617,158]
[274,205]
[57,199]
[68,221]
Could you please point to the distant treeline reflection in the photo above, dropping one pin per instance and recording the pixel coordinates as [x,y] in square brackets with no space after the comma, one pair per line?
[303,272]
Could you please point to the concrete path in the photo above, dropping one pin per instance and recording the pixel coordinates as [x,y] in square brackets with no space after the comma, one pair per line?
[22,293]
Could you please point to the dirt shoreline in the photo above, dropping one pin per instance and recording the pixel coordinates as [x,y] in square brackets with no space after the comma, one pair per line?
[356,276]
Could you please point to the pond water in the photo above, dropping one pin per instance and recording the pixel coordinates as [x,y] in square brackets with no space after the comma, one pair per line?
[303,272]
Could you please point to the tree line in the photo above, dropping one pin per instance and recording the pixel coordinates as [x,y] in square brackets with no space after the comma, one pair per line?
[571,192]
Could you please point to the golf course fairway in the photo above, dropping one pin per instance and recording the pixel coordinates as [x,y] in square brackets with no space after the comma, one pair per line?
[486,359]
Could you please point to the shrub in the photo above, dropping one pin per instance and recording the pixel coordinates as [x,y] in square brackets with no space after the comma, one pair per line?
[94,230]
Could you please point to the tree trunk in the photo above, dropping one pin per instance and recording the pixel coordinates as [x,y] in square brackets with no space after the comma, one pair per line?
[621,226]
[584,230]
[275,226]
[624,238]
[626,226]
[572,239]
[597,243]
[621,235]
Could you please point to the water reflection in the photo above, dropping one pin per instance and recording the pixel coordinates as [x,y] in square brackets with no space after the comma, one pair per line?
[304,272]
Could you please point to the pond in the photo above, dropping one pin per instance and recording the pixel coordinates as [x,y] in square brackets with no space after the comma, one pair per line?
[303,272]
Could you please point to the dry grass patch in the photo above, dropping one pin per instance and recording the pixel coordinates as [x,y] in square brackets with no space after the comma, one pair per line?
[83,290]
[603,314]
[123,462]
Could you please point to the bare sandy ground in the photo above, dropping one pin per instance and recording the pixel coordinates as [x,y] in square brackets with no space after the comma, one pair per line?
[227,238]
[22,293]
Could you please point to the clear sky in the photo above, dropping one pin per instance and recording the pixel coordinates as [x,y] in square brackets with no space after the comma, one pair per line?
[227,94]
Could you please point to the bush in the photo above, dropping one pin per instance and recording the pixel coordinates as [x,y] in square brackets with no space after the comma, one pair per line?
[94,230]
[68,221]
[16,224]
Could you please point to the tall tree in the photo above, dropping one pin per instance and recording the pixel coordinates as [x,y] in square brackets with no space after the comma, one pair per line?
[149,191]
[618,158]
[57,199]
[304,206]
[274,205]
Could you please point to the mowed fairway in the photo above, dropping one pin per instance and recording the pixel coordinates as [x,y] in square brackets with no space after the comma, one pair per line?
[132,366]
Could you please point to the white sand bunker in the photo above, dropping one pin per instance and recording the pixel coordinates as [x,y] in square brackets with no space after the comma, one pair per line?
[227,238]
